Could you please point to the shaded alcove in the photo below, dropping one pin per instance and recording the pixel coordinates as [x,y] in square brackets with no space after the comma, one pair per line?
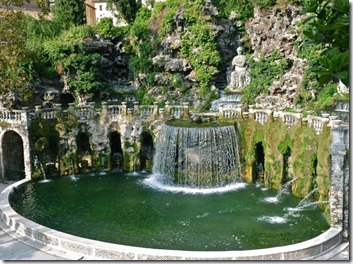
[286,166]
[52,155]
[84,152]
[146,151]
[116,152]
[65,99]
[13,156]
[314,162]
[259,163]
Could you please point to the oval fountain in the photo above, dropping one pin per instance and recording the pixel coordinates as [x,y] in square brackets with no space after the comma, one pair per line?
[193,206]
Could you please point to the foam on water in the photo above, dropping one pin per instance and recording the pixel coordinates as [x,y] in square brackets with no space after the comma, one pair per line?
[273,219]
[271,199]
[153,182]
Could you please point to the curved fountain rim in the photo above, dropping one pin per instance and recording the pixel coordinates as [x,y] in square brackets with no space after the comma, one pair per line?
[98,250]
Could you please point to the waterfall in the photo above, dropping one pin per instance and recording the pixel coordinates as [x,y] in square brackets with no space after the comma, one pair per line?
[206,156]
[228,100]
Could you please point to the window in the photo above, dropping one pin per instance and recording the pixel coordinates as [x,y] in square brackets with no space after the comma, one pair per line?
[100,7]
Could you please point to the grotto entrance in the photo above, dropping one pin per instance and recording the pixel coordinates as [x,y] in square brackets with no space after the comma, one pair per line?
[259,163]
[116,152]
[286,170]
[13,156]
[84,152]
[146,151]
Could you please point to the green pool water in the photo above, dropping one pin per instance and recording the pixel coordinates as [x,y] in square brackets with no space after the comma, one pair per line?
[134,210]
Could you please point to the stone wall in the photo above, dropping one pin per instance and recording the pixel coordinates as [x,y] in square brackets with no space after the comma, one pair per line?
[339,177]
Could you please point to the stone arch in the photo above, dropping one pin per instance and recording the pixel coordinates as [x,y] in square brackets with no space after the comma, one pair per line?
[286,166]
[314,163]
[258,170]
[83,152]
[15,157]
[116,150]
[146,151]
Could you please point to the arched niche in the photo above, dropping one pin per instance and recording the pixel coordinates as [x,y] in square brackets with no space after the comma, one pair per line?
[286,163]
[146,151]
[83,152]
[259,163]
[116,151]
[13,165]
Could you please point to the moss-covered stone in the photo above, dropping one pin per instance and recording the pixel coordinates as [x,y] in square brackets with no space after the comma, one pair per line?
[305,147]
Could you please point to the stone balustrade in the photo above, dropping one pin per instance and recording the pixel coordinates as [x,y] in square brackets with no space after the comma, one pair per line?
[260,115]
[13,117]
[117,111]
[148,110]
[176,111]
[84,113]
[317,122]
[290,119]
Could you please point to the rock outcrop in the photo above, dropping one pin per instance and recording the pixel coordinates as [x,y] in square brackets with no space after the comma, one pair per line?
[275,30]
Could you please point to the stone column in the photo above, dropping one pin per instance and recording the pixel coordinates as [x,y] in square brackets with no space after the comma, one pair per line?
[136,108]
[124,108]
[338,179]
[186,114]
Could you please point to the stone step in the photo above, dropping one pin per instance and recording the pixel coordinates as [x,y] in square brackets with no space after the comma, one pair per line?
[340,252]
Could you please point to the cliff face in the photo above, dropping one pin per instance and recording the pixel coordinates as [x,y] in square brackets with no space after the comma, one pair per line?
[176,77]
[268,31]
[271,30]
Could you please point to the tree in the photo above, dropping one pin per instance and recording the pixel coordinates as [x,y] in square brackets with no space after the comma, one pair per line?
[69,13]
[16,64]
[328,23]
[126,9]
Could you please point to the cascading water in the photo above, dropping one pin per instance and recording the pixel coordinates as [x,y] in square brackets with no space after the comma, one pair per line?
[197,157]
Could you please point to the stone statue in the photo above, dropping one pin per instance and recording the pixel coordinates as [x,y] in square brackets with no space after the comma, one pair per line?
[8,100]
[239,76]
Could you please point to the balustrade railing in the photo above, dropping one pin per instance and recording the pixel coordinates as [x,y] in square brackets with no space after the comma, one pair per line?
[116,112]
[84,112]
[147,110]
[13,117]
[176,111]
[290,119]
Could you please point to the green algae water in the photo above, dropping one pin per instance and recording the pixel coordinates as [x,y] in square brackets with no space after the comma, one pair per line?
[135,210]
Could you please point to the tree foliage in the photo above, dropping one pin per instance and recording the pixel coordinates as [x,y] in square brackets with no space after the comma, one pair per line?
[68,13]
[127,9]
[328,23]
[16,61]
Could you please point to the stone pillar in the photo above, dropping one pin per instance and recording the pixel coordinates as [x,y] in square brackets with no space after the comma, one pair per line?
[338,178]
[186,114]
[167,109]
[124,108]
[136,108]
[221,112]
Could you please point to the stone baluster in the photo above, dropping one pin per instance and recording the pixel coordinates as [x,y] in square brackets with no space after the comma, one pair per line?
[167,109]
[37,110]
[221,111]
[136,108]
[124,108]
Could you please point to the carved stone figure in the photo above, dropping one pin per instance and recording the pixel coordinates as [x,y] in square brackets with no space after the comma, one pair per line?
[7,100]
[239,76]
[49,95]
